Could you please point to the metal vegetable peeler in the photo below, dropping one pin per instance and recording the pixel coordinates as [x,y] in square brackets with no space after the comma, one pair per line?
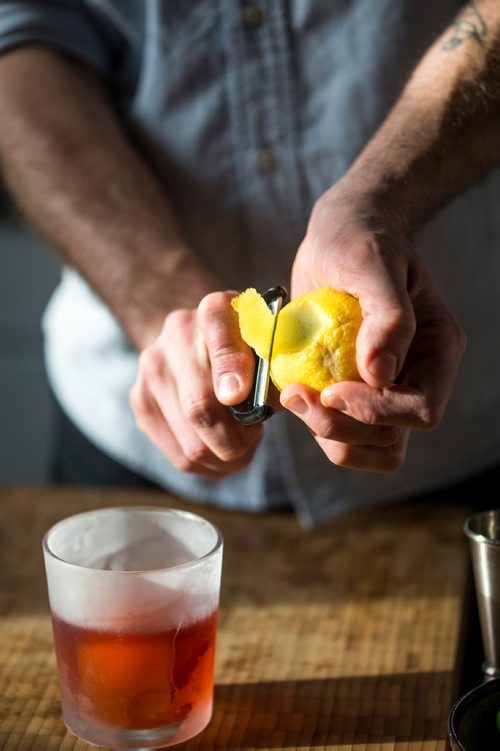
[254,409]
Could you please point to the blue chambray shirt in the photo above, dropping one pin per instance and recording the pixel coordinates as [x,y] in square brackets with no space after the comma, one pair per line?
[247,112]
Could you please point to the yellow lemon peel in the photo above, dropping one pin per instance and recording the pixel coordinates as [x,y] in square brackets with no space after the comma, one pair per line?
[256,321]
[315,338]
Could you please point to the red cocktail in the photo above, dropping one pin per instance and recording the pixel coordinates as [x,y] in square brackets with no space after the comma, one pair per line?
[135,647]
[135,681]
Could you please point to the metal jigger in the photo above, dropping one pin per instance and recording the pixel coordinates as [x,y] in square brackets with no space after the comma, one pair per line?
[483,531]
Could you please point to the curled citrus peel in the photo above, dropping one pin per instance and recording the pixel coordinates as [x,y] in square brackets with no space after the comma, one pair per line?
[315,337]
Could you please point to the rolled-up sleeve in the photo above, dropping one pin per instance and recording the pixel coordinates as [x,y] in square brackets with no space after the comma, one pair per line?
[66,25]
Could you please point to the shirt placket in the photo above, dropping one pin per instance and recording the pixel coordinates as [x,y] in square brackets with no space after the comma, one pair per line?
[263,120]
[264,131]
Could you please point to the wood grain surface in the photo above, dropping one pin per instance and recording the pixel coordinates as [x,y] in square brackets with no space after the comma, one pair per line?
[346,637]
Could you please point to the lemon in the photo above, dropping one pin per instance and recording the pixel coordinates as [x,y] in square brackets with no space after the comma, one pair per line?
[314,341]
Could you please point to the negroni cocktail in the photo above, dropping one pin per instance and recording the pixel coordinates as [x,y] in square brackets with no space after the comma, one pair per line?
[135,645]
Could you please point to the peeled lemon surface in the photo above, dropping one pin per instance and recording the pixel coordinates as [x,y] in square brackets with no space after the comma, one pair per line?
[315,338]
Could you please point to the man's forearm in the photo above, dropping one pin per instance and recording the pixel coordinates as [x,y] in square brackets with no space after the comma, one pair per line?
[73,172]
[443,134]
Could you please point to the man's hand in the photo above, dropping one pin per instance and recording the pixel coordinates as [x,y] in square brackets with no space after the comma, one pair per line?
[441,136]
[105,211]
[197,365]
[409,345]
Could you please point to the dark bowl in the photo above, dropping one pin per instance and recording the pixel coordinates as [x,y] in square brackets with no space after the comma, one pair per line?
[472,722]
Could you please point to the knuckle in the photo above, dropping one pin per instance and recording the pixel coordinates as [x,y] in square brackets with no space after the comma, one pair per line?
[175,320]
[400,323]
[374,248]
[212,303]
[228,351]
[381,460]
[391,459]
[137,402]
[142,408]
[134,397]
[143,422]
[219,325]
[326,428]
[151,363]
[342,456]
[367,413]
[404,325]
[232,454]
[429,417]
[182,463]
[200,412]
[195,453]
[386,436]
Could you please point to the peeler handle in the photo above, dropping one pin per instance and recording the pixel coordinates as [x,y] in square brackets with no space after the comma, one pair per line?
[254,408]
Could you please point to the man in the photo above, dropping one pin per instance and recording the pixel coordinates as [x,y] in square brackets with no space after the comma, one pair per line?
[170,150]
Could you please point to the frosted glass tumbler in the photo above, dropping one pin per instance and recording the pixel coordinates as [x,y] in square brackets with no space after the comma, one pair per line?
[134,595]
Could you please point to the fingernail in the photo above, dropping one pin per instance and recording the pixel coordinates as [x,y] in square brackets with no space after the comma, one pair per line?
[383,367]
[297,405]
[333,401]
[228,387]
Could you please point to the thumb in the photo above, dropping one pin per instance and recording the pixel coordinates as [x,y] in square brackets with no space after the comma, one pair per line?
[385,335]
[231,360]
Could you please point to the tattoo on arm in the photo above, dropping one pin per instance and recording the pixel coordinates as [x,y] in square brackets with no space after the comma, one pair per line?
[468,25]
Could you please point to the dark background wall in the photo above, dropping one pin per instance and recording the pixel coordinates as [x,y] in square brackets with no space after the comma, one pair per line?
[28,273]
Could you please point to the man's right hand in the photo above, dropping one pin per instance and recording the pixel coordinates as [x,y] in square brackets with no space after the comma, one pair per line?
[197,365]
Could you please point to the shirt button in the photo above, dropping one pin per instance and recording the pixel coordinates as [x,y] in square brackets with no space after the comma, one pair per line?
[266,161]
[252,16]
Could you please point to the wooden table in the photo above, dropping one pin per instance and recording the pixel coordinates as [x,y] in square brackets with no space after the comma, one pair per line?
[347,637]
